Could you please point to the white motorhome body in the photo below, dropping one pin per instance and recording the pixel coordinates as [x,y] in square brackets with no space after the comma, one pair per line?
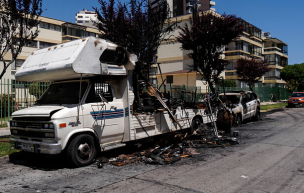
[89,102]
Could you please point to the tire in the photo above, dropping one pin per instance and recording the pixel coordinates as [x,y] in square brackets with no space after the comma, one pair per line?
[238,121]
[257,115]
[196,122]
[81,151]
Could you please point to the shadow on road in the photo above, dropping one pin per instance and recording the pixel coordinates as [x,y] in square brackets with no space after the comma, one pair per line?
[56,162]
[39,161]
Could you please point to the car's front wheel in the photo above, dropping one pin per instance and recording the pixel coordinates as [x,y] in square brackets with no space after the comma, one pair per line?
[81,150]
[257,115]
[238,121]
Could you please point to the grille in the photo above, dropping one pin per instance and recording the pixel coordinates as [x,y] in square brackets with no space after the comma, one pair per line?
[30,125]
[31,134]
[31,118]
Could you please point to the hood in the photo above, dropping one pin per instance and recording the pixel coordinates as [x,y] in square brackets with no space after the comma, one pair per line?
[37,111]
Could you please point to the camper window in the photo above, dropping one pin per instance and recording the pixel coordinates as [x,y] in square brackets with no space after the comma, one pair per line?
[108,56]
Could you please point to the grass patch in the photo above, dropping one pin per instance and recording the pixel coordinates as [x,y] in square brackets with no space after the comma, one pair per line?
[5,147]
[273,106]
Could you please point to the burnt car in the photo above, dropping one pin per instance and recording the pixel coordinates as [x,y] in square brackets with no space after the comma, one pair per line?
[296,99]
[244,105]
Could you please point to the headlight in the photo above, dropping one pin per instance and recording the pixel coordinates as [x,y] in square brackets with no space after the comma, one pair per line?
[51,126]
[49,135]
[12,123]
[14,132]
[46,126]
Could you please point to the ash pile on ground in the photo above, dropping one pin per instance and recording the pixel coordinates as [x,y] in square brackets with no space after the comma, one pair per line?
[172,148]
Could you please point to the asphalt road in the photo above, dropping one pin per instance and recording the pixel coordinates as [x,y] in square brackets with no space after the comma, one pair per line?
[269,158]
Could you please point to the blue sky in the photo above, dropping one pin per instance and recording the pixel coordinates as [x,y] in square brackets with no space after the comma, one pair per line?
[282,18]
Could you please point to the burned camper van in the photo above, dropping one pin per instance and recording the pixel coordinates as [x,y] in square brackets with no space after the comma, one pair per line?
[91,104]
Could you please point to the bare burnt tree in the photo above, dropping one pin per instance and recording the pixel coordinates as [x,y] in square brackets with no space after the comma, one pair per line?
[206,37]
[251,71]
[18,27]
[135,26]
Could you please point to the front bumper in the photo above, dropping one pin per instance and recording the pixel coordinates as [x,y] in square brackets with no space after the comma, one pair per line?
[35,146]
[295,103]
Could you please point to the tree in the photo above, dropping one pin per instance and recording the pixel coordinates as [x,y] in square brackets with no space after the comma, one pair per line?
[251,71]
[294,77]
[135,26]
[18,27]
[228,83]
[206,37]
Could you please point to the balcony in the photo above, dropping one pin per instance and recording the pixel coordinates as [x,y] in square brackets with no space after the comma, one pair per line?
[275,49]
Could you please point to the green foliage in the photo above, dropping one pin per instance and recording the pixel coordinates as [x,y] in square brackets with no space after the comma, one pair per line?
[251,71]
[294,76]
[273,106]
[5,147]
[7,105]
[228,83]
[37,89]
[204,37]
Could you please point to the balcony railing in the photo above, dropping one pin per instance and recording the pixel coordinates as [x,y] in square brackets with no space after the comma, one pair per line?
[275,49]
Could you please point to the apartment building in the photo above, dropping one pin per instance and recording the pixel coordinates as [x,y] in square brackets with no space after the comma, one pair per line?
[252,43]
[51,32]
[86,18]
[248,45]
[276,53]
[183,7]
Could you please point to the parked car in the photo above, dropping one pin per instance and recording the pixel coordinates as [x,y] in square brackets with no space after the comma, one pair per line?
[296,99]
[244,104]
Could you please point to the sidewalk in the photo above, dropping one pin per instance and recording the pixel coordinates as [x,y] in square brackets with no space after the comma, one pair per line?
[5,131]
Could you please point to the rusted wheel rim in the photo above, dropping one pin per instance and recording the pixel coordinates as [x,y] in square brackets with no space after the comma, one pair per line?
[84,151]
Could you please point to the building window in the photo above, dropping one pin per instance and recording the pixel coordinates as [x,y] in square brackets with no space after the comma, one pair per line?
[80,21]
[80,16]
[33,44]
[57,28]
[87,16]
[45,45]
[49,26]
[87,21]
[19,63]
[13,65]
[169,79]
